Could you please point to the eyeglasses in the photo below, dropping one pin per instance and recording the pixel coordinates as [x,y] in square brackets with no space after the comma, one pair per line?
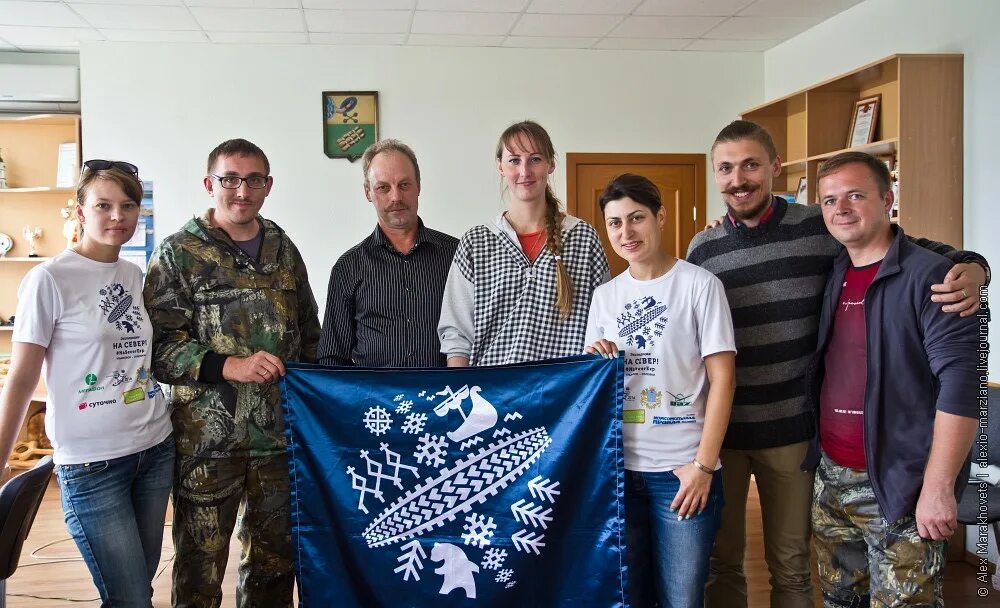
[232,182]
[98,164]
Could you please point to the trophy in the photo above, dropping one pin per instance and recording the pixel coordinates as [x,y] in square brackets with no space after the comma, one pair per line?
[32,233]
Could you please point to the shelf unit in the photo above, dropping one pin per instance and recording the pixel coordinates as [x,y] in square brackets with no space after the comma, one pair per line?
[30,147]
[920,124]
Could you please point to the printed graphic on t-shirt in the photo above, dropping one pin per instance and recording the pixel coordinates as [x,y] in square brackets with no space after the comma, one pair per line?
[642,322]
[120,308]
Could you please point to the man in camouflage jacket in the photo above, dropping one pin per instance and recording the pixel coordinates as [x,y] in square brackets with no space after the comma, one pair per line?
[230,302]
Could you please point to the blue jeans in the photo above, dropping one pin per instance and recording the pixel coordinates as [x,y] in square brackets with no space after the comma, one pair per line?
[667,559]
[115,510]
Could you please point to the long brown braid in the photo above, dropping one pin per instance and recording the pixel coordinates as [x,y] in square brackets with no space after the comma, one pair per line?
[533,132]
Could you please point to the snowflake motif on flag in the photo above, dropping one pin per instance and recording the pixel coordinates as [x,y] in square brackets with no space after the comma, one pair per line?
[414,423]
[404,407]
[504,575]
[431,450]
[493,558]
[377,420]
[478,530]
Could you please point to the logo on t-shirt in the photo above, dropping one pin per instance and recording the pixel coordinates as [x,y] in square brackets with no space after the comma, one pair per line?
[642,322]
[679,400]
[650,398]
[90,379]
[120,308]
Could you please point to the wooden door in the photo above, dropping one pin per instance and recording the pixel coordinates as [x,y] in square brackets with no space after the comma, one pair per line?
[680,178]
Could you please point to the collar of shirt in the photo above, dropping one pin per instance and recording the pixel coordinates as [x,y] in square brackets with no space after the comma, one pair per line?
[767,214]
[379,239]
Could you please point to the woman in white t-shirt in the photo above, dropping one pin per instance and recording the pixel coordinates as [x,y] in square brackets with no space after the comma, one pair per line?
[671,321]
[80,318]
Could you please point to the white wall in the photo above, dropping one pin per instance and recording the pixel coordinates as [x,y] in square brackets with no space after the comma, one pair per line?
[877,28]
[164,107]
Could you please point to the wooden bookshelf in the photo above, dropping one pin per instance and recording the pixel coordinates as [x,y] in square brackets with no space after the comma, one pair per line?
[30,147]
[920,123]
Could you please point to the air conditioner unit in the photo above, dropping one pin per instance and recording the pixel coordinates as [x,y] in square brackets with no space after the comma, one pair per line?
[41,88]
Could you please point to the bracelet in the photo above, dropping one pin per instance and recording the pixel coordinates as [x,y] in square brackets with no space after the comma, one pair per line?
[702,467]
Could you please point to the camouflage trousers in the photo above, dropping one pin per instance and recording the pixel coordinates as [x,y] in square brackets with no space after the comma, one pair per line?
[208,495]
[863,559]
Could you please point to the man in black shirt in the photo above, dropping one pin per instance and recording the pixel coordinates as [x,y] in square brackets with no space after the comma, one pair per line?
[384,297]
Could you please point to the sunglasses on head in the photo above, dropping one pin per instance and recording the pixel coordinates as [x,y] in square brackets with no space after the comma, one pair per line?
[98,164]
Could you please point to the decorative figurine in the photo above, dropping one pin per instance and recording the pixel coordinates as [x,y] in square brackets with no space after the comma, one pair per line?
[3,171]
[32,234]
[6,244]
[71,229]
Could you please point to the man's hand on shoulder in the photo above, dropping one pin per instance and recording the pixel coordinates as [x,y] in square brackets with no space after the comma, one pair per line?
[259,368]
[959,292]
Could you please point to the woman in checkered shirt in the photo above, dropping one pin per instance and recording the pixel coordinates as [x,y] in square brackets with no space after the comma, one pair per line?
[519,288]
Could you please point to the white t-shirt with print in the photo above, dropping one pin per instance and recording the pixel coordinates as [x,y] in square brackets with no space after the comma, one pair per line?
[103,402]
[665,328]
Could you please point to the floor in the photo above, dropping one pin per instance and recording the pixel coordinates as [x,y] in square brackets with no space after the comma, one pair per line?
[51,575]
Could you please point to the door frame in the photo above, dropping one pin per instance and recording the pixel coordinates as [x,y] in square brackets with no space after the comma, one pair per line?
[575,159]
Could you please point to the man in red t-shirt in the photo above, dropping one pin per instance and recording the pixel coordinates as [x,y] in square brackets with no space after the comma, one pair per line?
[896,405]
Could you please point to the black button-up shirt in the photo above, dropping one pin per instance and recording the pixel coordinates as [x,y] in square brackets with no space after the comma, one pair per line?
[382,307]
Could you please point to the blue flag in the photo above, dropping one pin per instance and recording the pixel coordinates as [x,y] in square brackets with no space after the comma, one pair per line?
[492,486]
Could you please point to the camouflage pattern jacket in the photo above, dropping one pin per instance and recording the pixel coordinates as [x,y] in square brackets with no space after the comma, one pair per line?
[203,294]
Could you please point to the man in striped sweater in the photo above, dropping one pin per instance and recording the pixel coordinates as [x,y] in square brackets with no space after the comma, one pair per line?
[773,259]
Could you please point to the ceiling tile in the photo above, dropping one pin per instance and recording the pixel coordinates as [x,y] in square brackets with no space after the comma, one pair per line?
[473,6]
[448,40]
[565,25]
[243,3]
[359,22]
[249,19]
[359,39]
[359,5]
[50,49]
[153,36]
[543,42]
[761,28]
[48,36]
[259,37]
[583,7]
[137,17]
[466,24]
[665,27]
[644,44]
[751,46]
[42,14]
[710,8]
[817,9]
[137,2]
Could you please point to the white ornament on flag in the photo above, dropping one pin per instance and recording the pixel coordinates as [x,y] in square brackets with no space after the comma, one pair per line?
[457,570]
[411,559]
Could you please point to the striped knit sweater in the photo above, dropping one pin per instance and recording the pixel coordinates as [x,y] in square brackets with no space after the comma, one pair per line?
[775,274]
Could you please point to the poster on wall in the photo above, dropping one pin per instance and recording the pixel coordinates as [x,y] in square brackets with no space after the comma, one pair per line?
[350,123]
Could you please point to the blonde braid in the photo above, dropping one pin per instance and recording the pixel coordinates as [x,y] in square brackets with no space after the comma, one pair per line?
[553,242]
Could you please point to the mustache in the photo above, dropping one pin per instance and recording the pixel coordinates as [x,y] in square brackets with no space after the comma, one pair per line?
[741,188]
[397,207]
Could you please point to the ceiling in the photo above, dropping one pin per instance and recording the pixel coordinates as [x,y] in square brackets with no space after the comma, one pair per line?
[665,25]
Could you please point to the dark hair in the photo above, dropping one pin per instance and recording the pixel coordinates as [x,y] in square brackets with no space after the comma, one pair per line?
[744,129]
[237,147]
[635,187]
[539,138]
[128,182]
[879,171]
[388,145]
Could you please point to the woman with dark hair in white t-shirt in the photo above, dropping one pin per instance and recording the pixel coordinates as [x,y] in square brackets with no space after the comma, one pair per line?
[671,321]
[80,317]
